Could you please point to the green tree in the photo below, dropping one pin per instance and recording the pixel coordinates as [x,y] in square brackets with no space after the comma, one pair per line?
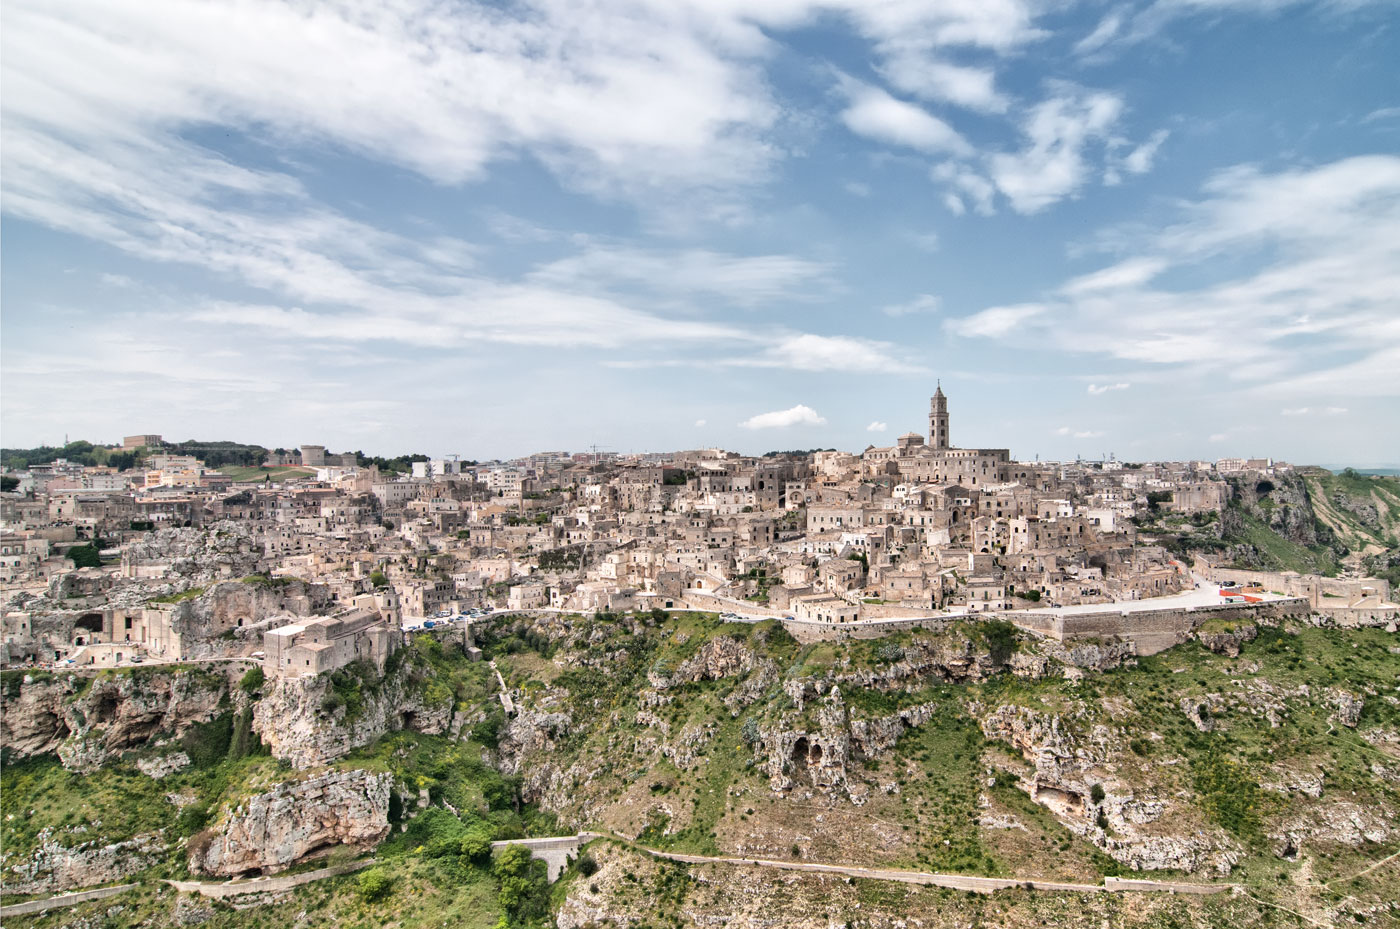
[85,556]
[518,887]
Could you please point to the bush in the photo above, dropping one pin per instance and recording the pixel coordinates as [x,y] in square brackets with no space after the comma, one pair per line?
[374,885]
[587,865]
[1096,793]
[252,680]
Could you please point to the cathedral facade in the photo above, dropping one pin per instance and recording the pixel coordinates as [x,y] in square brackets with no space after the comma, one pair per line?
[937,461]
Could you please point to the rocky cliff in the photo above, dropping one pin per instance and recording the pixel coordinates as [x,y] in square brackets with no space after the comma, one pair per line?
[89,719]
[295,821]
[306,721]
[68,859]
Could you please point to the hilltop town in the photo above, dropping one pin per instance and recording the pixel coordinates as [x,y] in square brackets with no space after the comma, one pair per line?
[95,560]
[588,689]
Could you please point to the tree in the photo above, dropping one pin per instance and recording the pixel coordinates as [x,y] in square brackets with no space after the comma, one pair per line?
[8,483]
[377,579]
[85,556]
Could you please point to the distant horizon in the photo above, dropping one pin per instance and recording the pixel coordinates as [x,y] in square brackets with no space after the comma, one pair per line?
[1334,467]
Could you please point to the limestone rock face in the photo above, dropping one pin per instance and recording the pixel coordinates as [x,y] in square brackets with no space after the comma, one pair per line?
[294,821]
[223,550]
[530,732]
[1347,706]
[294,722]
[125,711]
[1132,825]
[32,717]
[814,756]
[1343,822]
[87,727]
[1228,643]
[56,867]
[718,658]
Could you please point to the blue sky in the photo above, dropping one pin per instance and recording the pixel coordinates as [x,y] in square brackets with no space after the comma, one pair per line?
[1161,229]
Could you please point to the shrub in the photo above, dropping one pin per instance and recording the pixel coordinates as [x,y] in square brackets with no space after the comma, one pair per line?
[587,865]
[252,680]
[374,885]
[1096,793]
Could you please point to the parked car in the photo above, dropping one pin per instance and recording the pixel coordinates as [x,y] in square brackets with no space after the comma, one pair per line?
[428,624]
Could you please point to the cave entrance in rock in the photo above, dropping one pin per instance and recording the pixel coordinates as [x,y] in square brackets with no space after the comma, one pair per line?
[92,622]
[800,749]
[408,720]
[815,755]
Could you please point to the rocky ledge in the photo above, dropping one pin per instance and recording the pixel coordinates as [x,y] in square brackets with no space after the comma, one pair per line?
[295,821]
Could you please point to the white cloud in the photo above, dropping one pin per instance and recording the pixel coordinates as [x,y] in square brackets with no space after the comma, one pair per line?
[799,415]
[1219,437]
[929,79]
[620,99]
[1304,264]
[1139,160]
[995,322]
[1295,411]
[1052,164]
[1133,272]
[1078,433]
[1103,33]
[807,352]
[857,189]
[699,423]
[923,303]
[1097,389]
[1335,410]
[969,184]
[876,115]
[877,426]
[743,281]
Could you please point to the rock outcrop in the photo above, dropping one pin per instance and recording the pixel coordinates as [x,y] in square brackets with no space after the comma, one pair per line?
[89,720]
[55,866]
[295,821]
[299,720]
[1130,823]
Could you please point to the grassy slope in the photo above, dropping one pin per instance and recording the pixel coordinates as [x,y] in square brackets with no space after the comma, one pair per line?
[719,802]
[277,474]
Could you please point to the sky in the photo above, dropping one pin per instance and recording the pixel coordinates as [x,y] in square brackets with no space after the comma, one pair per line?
[1159,229]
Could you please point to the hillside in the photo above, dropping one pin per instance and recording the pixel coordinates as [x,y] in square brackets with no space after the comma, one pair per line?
[972,750]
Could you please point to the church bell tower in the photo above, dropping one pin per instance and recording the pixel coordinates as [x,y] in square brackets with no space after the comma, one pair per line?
[938,420]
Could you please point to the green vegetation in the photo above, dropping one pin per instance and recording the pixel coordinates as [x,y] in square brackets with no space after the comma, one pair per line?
[183,595]
[276,474]
[85,556]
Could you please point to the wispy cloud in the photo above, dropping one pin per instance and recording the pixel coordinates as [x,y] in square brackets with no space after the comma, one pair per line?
[1096,389]
[877,426]
[873,113]
[799,415]
[996,322]
[923,303]
[1317,252]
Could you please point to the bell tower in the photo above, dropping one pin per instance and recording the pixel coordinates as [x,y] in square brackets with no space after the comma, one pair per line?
[938,420]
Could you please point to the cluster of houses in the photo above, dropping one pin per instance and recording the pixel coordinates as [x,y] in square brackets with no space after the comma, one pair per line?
[918,528]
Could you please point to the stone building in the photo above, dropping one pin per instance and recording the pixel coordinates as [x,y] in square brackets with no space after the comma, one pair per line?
[326,643]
